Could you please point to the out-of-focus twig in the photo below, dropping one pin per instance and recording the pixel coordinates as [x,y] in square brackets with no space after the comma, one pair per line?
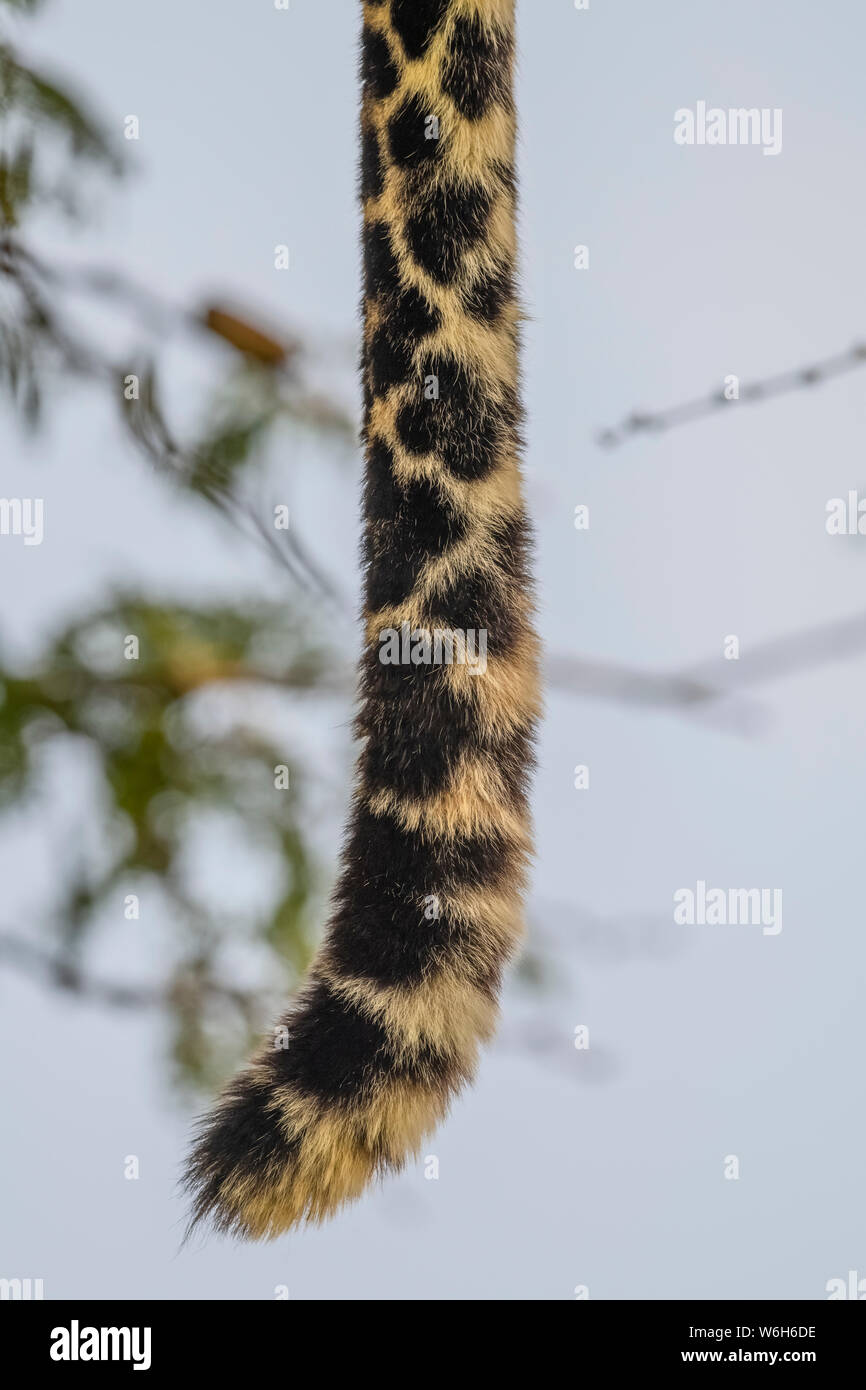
[701,687]
[654,422]
[212,477]
[685,692]
[53,968]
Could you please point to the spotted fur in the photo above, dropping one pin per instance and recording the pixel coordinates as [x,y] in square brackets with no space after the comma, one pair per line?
[428,904]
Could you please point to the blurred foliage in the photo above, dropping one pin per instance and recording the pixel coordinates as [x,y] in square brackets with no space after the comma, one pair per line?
[124,682]
[162,766]
[48,135]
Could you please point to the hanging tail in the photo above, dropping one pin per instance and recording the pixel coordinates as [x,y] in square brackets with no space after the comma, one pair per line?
[428,905]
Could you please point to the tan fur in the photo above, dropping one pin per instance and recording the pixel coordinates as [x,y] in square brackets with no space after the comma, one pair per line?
[325,1145]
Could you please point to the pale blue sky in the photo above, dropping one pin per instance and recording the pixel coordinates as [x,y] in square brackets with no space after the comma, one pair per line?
[703,262]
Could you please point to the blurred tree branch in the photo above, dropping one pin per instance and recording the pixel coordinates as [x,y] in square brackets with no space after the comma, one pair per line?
[53,968]
[265,389]
[715,687]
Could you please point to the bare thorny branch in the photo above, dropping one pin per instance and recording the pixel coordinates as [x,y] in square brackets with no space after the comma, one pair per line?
[801,378]
[703,689]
